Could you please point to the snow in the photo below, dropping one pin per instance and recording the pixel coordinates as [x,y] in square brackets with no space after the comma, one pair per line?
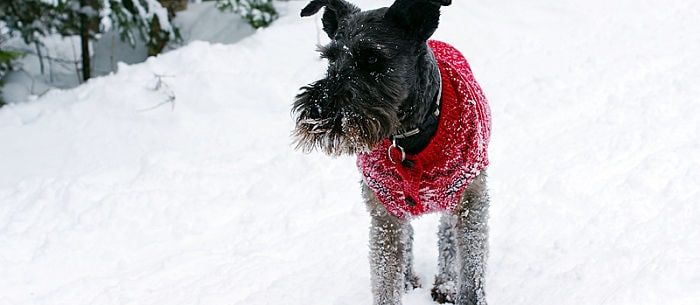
[111,194]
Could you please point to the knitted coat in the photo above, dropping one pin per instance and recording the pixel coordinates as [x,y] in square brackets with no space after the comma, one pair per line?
[453,157]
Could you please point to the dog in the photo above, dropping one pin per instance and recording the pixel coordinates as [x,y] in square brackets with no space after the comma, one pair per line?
[416,118]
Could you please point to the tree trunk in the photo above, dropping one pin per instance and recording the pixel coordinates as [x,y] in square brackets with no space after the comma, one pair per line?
[41,57]
[85,43]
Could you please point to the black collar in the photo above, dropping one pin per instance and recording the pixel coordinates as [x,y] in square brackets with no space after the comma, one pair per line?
[414,140]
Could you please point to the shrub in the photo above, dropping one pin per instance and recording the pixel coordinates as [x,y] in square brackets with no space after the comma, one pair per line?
[258,13]
[6,59]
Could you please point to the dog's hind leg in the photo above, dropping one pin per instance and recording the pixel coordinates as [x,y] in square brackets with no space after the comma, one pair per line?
[410,278]
[387,244]
[472,243]
[445,288]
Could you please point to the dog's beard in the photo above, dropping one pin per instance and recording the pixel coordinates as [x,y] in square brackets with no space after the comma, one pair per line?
[345,133]
[344,125]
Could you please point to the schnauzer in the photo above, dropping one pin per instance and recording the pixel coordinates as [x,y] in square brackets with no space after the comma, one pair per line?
[416,118]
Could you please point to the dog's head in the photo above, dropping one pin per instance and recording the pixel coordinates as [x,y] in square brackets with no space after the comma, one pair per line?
[373,59]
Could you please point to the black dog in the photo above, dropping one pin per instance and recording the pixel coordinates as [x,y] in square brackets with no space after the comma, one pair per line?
[420,125]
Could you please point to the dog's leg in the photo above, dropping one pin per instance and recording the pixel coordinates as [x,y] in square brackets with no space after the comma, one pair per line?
[445,289]
[472,243]
[387,250]
[410,278]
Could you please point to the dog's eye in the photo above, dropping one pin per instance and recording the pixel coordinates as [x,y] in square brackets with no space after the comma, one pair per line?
[372,60]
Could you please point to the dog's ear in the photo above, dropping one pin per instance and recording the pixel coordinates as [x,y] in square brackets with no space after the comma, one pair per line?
[335,11]
[419,17]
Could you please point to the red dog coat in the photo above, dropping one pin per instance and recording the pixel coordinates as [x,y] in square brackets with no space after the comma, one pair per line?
[453,157]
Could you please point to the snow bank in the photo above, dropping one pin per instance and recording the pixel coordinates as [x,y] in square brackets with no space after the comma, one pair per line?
[61,55]
[173,181]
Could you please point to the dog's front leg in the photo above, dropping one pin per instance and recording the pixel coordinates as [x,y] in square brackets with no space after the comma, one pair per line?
[444,290]
[472,243]
[411,279]
[387,244]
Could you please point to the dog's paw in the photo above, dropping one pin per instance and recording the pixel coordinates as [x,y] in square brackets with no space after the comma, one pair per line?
[443,293]
[412,282]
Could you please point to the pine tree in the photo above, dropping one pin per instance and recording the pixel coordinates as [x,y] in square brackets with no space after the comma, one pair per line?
[32,19]
[258,13]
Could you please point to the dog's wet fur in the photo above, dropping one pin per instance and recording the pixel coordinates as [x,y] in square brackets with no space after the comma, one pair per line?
[382,79]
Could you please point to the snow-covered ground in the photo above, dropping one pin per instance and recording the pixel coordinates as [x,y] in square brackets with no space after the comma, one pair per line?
[116,193]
